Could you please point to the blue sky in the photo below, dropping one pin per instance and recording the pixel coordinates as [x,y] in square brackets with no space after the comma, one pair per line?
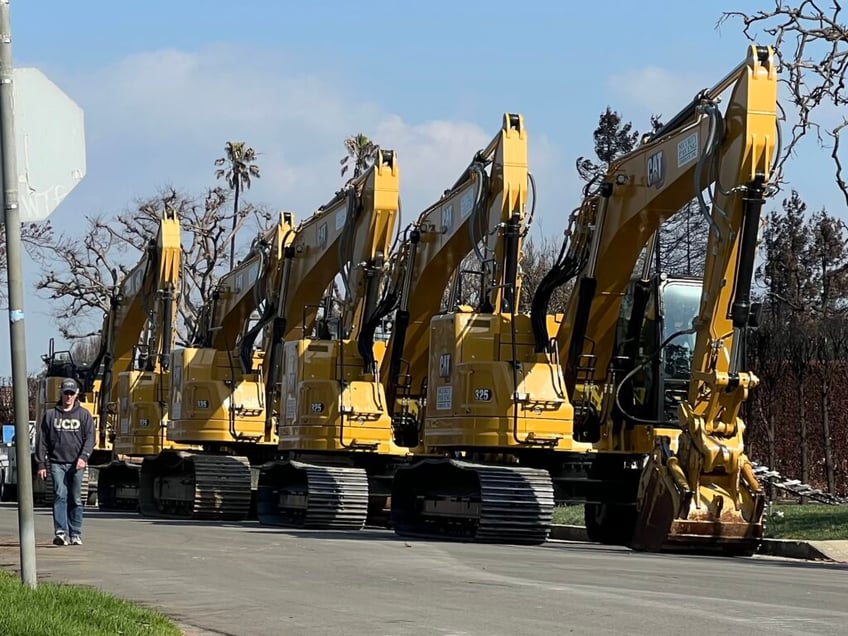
[165,84]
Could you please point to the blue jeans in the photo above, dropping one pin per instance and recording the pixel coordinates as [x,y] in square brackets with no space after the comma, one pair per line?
[67,498]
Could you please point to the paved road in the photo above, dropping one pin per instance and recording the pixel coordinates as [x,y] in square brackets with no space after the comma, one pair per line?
[245,579]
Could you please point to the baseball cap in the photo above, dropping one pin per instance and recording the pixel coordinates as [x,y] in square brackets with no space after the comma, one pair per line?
[69,384]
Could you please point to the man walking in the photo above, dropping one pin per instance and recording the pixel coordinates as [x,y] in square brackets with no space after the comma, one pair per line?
[65,442]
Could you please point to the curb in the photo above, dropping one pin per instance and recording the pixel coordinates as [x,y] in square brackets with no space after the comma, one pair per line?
[568,533]
[794,549]
[786,548]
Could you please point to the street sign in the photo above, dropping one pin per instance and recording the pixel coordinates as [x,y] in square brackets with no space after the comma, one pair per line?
[50,140]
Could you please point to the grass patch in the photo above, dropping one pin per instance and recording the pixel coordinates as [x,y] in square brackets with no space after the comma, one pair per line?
[810,522]
[73,611]
[569,515]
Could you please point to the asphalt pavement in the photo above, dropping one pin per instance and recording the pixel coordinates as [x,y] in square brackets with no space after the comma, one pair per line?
[245,579]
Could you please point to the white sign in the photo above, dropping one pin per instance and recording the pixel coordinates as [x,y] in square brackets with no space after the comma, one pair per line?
[466,204]
[444,397]
[50,140]
[687,150]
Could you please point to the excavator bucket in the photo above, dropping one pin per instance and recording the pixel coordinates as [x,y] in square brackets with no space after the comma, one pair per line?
[672,518]
[728,533]
[656,508]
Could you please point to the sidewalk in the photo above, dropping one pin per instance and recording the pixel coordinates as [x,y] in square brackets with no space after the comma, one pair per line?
[833,551]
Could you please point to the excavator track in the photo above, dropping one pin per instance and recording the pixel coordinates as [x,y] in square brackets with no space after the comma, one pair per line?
[461,501]
[117,485]
[295,494]
[180,485]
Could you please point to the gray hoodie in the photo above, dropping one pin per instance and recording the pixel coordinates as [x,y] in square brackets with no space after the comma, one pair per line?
[65,436]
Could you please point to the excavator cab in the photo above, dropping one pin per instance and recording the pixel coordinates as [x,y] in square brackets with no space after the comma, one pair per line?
[654,334]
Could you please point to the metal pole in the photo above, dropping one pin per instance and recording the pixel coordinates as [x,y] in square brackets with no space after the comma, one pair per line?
[17,334]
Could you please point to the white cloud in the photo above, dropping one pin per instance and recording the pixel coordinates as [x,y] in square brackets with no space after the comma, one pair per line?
[161,118]
[655,90]
[431,156]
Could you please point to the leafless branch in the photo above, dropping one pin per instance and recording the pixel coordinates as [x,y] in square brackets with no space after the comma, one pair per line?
[85,273]
[811,45]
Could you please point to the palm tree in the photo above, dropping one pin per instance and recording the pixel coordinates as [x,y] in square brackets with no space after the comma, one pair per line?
[362,151]
[238,158]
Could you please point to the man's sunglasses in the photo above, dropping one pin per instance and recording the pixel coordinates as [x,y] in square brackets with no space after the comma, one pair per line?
[69,392]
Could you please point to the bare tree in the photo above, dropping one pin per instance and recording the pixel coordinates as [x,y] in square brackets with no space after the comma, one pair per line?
[683,242]
[831,346]
[770,360]
[84,273]
[811,45]
[7,402]
[802,350]
[92,268]
[34,236]
[536,262]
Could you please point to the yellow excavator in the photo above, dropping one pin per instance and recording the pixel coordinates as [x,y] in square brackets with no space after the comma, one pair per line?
[656,366]
[217,399]
[335,435]
[224,390]
[530,409]
[466,386]
[137,337]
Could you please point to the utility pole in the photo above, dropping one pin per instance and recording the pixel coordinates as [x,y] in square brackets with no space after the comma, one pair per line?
[17,334]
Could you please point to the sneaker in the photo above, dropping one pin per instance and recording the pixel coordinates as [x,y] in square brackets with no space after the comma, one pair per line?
[76,540]
[60,539]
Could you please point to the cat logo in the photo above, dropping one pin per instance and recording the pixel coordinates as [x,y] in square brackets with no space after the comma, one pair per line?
[656,169]
[447,218]
[67,424]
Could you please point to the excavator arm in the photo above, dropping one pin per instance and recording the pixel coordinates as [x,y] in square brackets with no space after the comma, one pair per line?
[334,434]
[348,236]
[697,486]
[143,312]
[488,199]
[241,291]
[707,490]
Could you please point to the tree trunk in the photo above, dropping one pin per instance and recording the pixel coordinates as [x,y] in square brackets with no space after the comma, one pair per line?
[768,418]
[828,449]
[235,221]
[802,434]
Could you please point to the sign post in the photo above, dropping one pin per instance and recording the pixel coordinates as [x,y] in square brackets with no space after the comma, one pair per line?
[17,335]
[53,161]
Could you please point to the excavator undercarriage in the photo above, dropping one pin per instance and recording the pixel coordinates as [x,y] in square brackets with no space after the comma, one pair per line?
[297,494]
[448,498]
[183,485]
